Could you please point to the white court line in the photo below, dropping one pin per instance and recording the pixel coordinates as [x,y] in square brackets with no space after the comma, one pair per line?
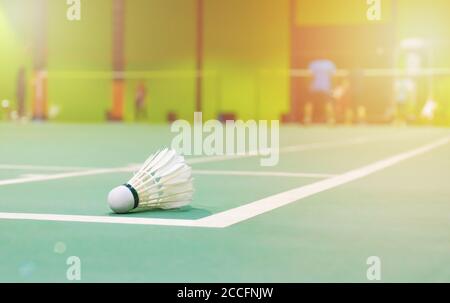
[62,176]
[259,174]
[25,176]
[99,171]
[288,149]
[42,168]
[248,211]
[245,212]
[100,219]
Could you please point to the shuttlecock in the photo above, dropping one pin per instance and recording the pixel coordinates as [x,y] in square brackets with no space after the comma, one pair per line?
[164,182]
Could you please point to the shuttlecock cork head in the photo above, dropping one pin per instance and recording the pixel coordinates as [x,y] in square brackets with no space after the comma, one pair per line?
[164,181]
[122,199]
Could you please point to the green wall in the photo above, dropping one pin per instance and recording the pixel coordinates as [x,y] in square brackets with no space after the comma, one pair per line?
[245,42]
[14,51]
[75,46]
[160,37]
[241,38]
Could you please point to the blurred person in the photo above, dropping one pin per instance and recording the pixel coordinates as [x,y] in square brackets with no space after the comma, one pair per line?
[348,96]
[357,95]
[40,95]
[140,108]
[343,102]
[405,99]
[5,109]
[320,107]
[21,93]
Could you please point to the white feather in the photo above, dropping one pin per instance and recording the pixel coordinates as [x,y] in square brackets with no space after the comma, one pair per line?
[164,181]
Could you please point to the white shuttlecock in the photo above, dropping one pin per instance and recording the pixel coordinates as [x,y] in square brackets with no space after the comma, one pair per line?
[164,182]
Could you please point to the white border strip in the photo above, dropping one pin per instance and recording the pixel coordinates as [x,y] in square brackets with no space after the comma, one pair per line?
[248,211]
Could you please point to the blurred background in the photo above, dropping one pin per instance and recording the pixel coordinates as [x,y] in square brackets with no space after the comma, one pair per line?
[154,61]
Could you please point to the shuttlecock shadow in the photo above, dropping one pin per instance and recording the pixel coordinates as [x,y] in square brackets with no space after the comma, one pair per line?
[185,212]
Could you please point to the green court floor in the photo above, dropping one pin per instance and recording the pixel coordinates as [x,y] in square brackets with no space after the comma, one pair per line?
[370,191]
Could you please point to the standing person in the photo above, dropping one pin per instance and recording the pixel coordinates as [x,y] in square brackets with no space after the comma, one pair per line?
[21,93]
[343,101]
[405,99]
[140,109]
[319,109]
[357,107]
